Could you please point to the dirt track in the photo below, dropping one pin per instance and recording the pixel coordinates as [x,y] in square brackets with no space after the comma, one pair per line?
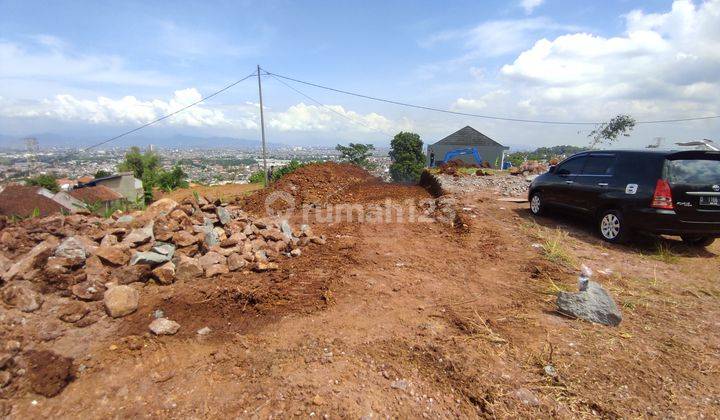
[410,320]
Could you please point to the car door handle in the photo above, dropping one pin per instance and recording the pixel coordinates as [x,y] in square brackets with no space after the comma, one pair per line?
[569,182]
[603,184]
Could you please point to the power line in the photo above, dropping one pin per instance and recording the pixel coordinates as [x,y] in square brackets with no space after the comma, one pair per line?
[489,117]
[166,116]
[322,105]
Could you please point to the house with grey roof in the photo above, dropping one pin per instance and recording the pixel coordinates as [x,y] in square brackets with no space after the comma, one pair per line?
[467,138]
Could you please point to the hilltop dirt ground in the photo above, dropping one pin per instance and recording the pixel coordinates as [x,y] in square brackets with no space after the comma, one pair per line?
[405,320]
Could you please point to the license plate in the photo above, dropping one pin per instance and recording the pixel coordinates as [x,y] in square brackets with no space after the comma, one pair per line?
[710,201]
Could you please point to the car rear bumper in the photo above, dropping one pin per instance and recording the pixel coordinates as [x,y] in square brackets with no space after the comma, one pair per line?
[667,222]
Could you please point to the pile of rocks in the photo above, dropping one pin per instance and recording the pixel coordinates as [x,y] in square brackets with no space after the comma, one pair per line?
[168,242]
[504,185]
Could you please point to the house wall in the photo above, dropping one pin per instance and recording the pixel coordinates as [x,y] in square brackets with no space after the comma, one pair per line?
[487,153]
[71,203]
[123,185]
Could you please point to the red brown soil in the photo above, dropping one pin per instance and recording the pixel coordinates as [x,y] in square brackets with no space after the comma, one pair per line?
[48,372]
[407,320]
[315,184]
[212,193]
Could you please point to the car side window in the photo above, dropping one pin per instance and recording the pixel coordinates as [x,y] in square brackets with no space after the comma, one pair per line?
[599,165]
[572,166]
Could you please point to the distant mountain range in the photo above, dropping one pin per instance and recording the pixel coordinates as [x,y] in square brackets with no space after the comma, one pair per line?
[48,140]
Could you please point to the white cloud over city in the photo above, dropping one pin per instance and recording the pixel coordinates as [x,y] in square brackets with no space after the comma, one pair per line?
[664,64]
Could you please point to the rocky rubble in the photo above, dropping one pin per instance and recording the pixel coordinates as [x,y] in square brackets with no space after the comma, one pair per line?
[72,271]
[169,241]
[503,185]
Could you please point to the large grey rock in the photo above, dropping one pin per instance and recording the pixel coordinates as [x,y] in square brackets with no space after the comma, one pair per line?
[71,248]
[125,219]
[286,229]
[223,215]
[164,248]
[593,304]
[149,258]
[211,237]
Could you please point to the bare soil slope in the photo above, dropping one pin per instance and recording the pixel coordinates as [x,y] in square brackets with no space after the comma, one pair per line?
[404,320]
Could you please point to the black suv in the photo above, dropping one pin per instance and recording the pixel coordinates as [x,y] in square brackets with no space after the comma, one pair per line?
[658,192]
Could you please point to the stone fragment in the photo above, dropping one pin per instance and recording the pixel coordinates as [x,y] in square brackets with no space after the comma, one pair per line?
[164,326]
[184,238]
[211,258]
[36,258]
[49,372]
[149,258]
[593,303]
[265,266]
[114,256]
[187,268]
[235,262]
[216,269]
[223,215]
[163,206]
[121,301]
[140,236]
[72,249]
[73,311]
[88,290]
[21,296]
[165,274]
[130,274]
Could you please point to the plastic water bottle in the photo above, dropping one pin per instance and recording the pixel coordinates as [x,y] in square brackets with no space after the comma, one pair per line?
[585,273]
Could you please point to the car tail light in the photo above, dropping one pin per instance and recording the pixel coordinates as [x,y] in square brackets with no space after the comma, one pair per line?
[662,199]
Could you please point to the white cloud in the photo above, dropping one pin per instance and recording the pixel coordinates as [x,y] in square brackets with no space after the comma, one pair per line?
[49,59]
[184,43]
[530,5]
[128,110]
[662,65]
[302,117]
[497,37]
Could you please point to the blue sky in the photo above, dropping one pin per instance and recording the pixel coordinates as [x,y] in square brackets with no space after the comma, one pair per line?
[92,69]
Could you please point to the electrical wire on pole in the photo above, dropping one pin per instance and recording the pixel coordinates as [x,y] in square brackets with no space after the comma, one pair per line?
[489,117]
[166,116]
[262,129]
[322,105]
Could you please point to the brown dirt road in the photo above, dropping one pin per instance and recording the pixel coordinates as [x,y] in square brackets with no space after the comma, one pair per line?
[409,320]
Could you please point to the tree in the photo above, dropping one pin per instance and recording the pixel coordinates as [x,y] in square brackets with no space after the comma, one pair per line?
[144,166]
[357,154]
[407,156]
[138,163]
[609,131]
[102,174]
[45,181]
[173,179]
[259,176]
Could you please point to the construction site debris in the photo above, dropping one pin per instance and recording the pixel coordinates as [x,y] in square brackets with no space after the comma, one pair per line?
[500,184]
[592,303]
[164,326]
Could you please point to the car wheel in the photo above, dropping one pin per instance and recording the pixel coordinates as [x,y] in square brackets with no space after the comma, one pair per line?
[612,226]
[698,241]
[537,207]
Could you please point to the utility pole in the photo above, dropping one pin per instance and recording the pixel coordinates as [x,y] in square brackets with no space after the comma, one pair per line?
[262,129]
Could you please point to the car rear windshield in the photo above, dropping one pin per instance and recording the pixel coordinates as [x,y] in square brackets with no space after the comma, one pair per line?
[693,171]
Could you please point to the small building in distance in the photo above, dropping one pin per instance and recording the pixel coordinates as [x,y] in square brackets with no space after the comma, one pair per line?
[123,183]
[467,137]
[101,196]
[27,200]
